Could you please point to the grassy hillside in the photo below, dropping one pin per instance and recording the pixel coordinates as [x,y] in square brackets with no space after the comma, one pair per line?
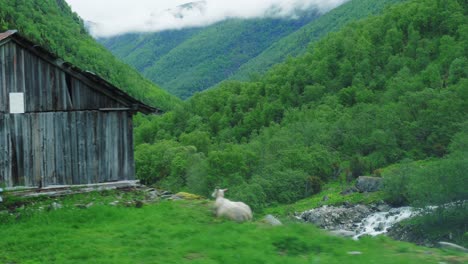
[52,24]
[183,232]
[296,43]
[191,60]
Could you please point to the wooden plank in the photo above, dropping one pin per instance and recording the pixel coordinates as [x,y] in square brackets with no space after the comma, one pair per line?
[74,147]
[81,124]
[29,98]
[91,147]
[49,151]
[8,176]
[28,151]
[3,91]
[59,142]
[66,146]
[4,163]
[37,149]
[17,161]
[14,69]
[43,154]
[101,150]
[114,134]
[55,88]
[130,151]
[21,76]
[47,87]
[123,146]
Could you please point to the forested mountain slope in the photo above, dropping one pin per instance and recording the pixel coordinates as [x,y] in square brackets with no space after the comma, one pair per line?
[53,25]
[190,60]
[142,50]
[381,91]
[297,42]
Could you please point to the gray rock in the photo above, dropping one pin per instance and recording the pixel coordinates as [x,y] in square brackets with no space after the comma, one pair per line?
[383,207]
[81,206]
[114,203]
[343,233]
[166,193]
[369,184]
[452,246]
[380,227]
[354,252]
[270,219]
[138,204]
[55,206]
[341,217]
[349,190]
[152,195]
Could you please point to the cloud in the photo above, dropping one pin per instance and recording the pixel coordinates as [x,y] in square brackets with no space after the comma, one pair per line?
[114,17]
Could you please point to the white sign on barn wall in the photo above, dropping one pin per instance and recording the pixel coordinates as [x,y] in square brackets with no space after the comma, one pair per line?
[16,103]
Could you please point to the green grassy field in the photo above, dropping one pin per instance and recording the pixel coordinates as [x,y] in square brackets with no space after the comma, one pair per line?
[182,232]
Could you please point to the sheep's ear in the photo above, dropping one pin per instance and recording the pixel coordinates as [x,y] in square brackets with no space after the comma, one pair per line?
[225,190]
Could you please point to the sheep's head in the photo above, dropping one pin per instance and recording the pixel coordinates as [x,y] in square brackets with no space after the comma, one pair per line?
[218,192]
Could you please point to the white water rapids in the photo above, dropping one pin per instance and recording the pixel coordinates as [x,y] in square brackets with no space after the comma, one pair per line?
[379,222]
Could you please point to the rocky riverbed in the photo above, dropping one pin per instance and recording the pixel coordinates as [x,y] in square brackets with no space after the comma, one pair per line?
[375,219]
[357,220]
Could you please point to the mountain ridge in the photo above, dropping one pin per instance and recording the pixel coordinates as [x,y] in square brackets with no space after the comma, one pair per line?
[172,58]
[194,59]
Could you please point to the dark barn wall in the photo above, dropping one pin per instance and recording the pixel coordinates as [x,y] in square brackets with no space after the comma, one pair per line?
[72,132]
[62,148]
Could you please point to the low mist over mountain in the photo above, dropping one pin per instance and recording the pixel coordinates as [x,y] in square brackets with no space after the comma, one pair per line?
[193,59]
[123,16]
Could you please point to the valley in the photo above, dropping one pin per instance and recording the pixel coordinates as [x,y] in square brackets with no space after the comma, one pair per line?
[288,114]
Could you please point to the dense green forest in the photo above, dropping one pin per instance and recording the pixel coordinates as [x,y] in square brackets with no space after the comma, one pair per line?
[190,60]
[52,24]
[390,89]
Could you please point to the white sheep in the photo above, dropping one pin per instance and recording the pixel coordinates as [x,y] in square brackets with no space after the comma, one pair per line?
[237,211]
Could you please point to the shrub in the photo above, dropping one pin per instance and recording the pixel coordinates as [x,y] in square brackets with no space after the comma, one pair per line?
[313,185]
[283,186]
[358,166]
[251,194]
[377,173]
[438,182]
[396,181]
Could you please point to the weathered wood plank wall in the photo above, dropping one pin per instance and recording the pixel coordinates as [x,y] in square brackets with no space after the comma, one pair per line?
[45,86]
[56,148]
[65,136]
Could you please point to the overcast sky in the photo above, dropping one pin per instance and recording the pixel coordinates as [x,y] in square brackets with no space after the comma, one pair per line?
[113,17]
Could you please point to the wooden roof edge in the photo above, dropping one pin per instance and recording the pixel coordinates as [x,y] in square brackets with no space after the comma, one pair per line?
[109,90]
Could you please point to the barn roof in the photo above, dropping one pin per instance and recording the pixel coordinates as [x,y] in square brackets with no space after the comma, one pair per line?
[101,84]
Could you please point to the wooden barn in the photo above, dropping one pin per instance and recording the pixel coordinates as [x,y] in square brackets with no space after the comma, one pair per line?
[60,125]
